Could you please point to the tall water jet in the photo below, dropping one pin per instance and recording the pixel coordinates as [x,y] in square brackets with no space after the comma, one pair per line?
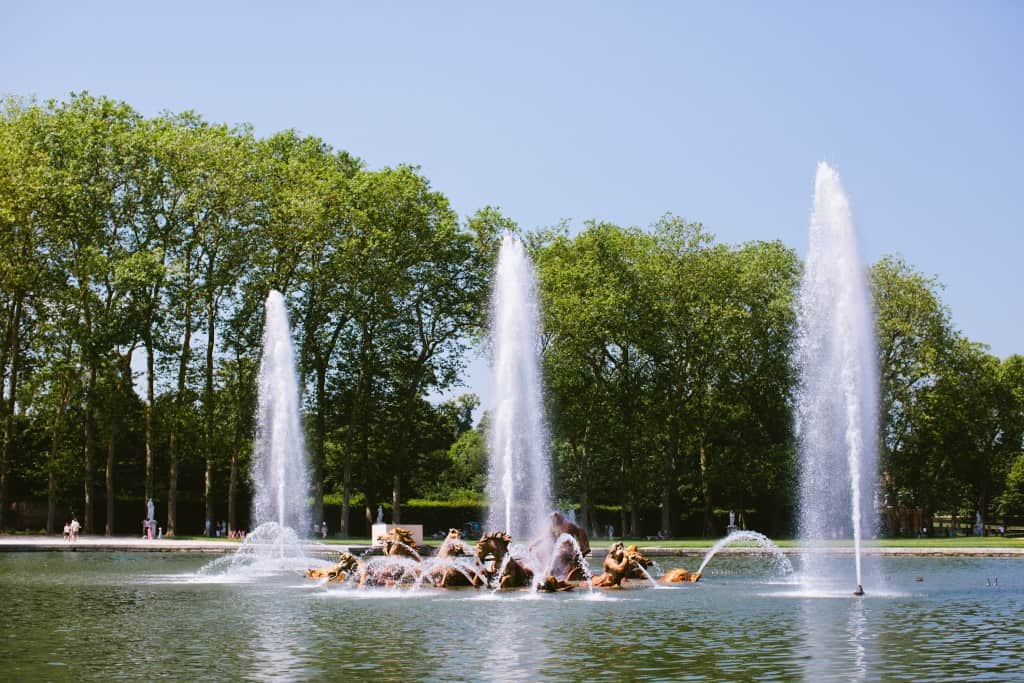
[836,412]
[518,479]
[279,472]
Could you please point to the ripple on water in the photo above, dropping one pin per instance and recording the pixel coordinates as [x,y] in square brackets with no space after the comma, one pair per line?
[734,628]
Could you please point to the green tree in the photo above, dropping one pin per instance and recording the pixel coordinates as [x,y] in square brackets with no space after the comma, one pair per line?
[756,464]
[1012,375]
[971,431]
[595,308]
[23,183]
[447,283]
[90,203]
[914,335]
[308,225]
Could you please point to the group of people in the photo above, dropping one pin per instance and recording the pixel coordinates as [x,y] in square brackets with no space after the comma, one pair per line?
[71,530]
[220,530]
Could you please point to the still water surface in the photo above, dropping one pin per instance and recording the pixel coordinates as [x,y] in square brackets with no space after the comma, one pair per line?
[141,616]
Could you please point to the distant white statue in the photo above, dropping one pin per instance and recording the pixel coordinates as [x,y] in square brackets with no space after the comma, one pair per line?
[380,514]
[150,510]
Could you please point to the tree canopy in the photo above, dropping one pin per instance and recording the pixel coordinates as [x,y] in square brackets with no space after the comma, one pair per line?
[136,253]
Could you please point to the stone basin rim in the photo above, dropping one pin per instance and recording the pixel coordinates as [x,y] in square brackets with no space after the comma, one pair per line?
[104,544]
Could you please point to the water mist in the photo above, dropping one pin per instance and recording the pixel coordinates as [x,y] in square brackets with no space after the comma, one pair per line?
[836,412]
[279,471]
[519,479]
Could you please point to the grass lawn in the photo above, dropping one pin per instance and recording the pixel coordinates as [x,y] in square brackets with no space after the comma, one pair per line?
[960,542]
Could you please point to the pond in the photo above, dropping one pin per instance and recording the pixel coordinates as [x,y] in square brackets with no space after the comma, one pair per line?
[142,616]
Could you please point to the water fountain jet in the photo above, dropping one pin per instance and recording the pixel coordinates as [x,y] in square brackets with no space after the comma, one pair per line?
[519,479]
[279,471]
[836,413]
[782,563]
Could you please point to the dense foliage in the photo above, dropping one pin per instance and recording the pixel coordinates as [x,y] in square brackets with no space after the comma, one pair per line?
[159,238]
[135,254]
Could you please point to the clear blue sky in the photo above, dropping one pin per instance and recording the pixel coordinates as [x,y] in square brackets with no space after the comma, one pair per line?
[620,111]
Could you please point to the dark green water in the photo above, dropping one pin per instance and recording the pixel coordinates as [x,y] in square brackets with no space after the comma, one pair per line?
[104,617]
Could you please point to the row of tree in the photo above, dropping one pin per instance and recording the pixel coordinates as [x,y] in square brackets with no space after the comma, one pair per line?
[125,237]
[668,367]
[135,254]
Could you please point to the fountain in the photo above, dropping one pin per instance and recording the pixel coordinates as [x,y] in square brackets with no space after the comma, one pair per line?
[280,512]
[621,563]
[518,471]
[782,562]
[836,422]
[279,474]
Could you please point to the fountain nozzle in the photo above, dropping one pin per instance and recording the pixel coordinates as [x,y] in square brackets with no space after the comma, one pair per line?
[859,591]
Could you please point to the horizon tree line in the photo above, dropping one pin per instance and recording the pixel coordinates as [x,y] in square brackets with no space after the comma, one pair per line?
[136,253]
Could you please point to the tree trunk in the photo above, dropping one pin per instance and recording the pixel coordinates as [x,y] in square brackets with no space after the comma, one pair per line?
[11,353]
[108,529]
[706,488]
[629,494]
[371,479]
[319,445]
[51,479]
[51,503]
[401,451]
[623,517]
[668,485]
[396,500]
[240,438]
[624,493]
[208,399]
[233,491]
[172,484]
[207,488]
[90,516]
[154,296]
[179,401]
[370,475]
[346,496]
[150,397]
[586,518]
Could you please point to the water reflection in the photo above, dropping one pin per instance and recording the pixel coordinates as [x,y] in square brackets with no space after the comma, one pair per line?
[508,650]
[278,645]
[855,632]
[835,641]
[128,618]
